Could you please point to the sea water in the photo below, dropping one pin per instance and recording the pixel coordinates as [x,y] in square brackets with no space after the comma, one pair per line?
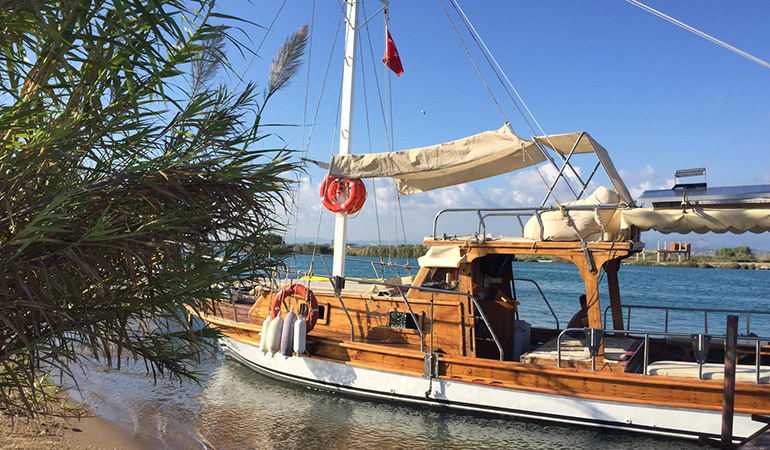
[234,407]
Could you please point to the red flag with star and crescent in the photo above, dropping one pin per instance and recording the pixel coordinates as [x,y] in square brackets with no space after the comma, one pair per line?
[391,58]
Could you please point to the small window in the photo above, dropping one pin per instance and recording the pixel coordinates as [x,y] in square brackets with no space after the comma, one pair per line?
[441,278]
[322,312]
[401,320]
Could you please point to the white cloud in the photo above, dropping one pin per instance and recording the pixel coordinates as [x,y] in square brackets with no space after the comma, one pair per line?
[645,179]
[519,189]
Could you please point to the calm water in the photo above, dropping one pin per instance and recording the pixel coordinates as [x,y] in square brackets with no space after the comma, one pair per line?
[234,407]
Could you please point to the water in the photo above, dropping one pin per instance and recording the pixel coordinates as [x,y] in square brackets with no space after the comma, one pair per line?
[233,407]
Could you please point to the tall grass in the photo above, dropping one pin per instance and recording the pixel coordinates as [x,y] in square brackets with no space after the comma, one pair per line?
[131,184]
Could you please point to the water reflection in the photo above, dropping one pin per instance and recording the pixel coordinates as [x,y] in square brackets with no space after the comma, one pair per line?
[234,407]
[242,409]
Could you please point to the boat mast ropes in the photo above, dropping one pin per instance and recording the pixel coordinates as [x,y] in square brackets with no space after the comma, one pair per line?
[346,127]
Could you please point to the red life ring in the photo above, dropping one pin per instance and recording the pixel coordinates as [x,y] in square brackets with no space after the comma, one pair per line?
[301,291]
[353,190]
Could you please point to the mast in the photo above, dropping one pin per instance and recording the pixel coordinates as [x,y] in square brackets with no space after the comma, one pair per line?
[346,126]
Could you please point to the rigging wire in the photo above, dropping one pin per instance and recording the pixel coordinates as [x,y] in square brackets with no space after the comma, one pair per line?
[498,71]
[388,130]
[475,66]
[494,99]
[700,33]
[256,52]
[304,150]
[368,131]
[312,128]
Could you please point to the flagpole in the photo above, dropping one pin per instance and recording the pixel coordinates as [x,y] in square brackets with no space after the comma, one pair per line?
[346,127]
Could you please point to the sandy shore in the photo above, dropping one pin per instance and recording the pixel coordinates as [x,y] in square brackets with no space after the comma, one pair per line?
[87,432]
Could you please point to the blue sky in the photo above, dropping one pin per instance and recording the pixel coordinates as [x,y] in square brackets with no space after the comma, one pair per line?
[657,97]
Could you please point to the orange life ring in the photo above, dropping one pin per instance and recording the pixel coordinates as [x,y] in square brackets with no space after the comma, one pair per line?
[298,290]
[333,187]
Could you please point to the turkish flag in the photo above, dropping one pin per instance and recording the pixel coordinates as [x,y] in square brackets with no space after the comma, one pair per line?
[391,58]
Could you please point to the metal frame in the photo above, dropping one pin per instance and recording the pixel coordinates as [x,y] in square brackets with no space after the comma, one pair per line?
[548,304]
[705,311]
[561,171]
[519,212]
[401,288]
[646,334]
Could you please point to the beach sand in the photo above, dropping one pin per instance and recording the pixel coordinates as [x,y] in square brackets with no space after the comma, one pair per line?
[52,432]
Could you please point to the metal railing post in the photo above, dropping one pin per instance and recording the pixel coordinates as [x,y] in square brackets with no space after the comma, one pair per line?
[489,327]
[758,358]
[414,318]
[546,300]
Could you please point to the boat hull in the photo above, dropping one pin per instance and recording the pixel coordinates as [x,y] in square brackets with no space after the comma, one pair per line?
[482,398]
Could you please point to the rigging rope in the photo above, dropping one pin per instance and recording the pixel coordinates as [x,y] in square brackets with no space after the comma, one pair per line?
[475,66]
[368,131]
[697,32]
[494,99]
[312,128]
[304,150]
[256,52]
[498,71]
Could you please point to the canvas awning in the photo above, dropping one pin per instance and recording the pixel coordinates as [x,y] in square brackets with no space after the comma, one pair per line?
[563,143]
[698,220]
[422,169]
[444,256]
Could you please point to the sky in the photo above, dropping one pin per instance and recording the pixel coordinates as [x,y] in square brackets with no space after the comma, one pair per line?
[655,96]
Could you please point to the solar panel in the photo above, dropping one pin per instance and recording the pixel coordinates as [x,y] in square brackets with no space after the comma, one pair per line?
[755,193]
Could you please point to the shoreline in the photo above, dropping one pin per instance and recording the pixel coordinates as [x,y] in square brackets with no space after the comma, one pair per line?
[89,431]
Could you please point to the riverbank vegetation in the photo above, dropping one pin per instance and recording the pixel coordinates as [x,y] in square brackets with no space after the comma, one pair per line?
[129,183]
[726,257]
[723,258]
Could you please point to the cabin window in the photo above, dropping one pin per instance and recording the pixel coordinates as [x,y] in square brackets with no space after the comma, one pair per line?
[441,278]
[322,312]
[401,320]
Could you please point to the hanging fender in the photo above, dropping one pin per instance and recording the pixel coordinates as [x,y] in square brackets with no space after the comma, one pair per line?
[333,187]
[300,291]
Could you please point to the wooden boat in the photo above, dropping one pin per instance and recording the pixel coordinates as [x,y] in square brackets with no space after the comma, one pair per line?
[451,337]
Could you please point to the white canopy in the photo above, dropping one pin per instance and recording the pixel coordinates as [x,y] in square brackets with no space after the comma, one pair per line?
[444,256]
[698,220]
[423,169]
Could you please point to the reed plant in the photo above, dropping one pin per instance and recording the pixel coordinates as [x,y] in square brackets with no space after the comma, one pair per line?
[133,183]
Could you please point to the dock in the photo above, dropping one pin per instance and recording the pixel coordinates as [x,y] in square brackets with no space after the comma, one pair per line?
[681,250]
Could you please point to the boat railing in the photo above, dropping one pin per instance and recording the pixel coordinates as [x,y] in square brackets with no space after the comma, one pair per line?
[402,290]
[518,213]
[542,294]
[645,334]
[705,311]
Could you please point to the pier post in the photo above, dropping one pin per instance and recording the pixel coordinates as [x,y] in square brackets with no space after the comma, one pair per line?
[728,399]
[611,269]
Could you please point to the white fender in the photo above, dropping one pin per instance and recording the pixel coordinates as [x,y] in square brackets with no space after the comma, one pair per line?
[274,334]
[300,334]
[263,335]
[287,335]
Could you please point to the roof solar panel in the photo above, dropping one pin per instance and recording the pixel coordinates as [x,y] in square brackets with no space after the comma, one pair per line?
[755,193]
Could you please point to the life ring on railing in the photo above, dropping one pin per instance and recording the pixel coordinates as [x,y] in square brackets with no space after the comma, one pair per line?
[300,291]
[352,190]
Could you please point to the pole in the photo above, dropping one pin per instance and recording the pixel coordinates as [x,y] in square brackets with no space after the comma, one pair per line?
[346,127]
[728,399]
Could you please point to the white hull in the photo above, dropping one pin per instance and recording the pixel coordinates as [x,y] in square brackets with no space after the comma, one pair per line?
[479,398]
